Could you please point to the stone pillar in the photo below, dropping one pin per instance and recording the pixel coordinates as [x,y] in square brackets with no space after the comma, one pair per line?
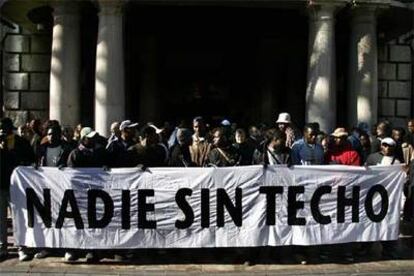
[363,70]
[109,77]
[64,101]
[320,92]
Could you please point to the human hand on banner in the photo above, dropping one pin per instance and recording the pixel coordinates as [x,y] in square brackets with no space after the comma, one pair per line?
[143,168]
[106,168]
[405,168]
[61,167]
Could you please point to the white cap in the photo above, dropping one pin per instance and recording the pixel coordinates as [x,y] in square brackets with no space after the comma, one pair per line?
[284,118]
[225,122]
[127,124]
[87,132]
[389,141]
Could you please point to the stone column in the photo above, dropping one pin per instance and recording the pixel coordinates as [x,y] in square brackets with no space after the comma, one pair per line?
[363,70]
[109,78]
[64,101]
[320,92]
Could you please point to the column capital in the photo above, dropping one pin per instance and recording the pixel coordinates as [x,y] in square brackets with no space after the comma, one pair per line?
[323,11]
[364,13]
[65,8]
[111,7]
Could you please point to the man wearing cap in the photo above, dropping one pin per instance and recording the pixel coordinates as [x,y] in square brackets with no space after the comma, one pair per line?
[386,156]
[14,151]
[284,123]
[86,154]
[341,151]
[118,148]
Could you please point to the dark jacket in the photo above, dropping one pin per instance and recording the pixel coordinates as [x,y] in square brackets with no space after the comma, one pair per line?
[180,156]
[148,156]
[261,157]
[21,155]
[245,151]
[82,157]
[118,154]
[225,157]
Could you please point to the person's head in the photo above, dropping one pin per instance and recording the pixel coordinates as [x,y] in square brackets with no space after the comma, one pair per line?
[277,140]
[325,143]
[240,136]
[183,136]
[199,127]
[364,140]
[87,137]
[127,129]
[254,132]
[76,133]
[68,133]
[388,146]
[310,133]
[410,126]
[6,126]
[398,134]
[283,121]
[219,139]
[54,135]
[36,126]
[339,137]
[149,136]
[24,131]
[115,129]
[383,129]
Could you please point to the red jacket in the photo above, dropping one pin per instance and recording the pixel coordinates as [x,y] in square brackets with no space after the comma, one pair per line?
[343,156]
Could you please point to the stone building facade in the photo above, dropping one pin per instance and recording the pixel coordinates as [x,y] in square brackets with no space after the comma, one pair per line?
[337,62]
[26,73]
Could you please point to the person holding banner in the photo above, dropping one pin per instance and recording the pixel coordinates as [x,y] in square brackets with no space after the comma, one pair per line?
[384,157]
[53,153]
[274,151]
[201,145]
[84,156]
[341,151]
[307,151]
[14,151]
[223,154]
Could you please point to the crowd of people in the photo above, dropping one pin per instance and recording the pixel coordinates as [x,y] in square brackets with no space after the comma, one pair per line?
[198,145]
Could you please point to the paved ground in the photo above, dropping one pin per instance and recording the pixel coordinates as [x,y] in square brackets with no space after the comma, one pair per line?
[265,261]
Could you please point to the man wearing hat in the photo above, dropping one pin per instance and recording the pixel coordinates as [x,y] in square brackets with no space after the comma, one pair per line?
[86,154]
[341,151]
[118,148]
[386,156]
[14,151]
[284,123]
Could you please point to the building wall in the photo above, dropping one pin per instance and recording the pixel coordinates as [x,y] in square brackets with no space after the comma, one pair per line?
[395,79]
[26,73]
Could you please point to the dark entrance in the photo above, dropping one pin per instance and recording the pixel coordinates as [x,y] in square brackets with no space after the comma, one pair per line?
[244,64]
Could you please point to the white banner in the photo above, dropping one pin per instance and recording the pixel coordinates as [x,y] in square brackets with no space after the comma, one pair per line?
[205,207]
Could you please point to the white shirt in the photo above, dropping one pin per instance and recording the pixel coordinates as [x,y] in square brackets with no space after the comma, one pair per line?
[52,156]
